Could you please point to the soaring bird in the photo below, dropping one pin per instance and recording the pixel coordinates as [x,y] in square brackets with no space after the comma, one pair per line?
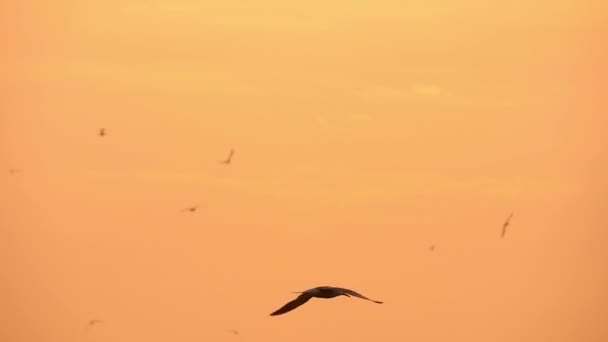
[13,171]
[233,331]
[505,225]
[190,209]
[229,159]
[90,325]
[102,132]
[94,321]
[431,248]
[319,292]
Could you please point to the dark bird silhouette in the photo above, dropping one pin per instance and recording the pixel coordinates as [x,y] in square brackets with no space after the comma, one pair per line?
[190,209]
[432,248]
[102,132]
[505,225]
[90,325]
[13,171]
[229,159]
[94,321]
[319,292]
[234,331]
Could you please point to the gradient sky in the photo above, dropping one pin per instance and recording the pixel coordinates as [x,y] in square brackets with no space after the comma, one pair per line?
[365,131]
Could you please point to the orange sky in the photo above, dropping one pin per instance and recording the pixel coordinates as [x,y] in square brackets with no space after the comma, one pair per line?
[365,131]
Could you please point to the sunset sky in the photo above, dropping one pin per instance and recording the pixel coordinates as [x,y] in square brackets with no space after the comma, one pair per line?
[365,132]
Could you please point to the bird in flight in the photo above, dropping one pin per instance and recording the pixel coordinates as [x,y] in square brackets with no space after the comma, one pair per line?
[505,225]
[13,171]
[95,321]
[190,209]
[90,325]
[229,159]
[102,132]
[319,292]
[431,248]
[234,331]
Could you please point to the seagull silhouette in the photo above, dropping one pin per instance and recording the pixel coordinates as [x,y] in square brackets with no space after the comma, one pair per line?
[13,171]
[90,325]
[431,248]
[234,331]
[190,209]
[319,292]
[102,132]
[229,159]
[94,321]
[505,225]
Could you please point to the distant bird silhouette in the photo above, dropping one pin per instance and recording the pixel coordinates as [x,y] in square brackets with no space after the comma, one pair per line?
[229,159]
[102,132]
[234,331]
[13,171]
[90,325]
[190,209]
[432,248]
[505,225]
[94,321]
[319,292]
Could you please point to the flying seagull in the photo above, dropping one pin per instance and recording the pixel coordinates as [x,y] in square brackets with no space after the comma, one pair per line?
[229,159]
[233,331]
[90,324]
[505,225]
[95,321]
[102,132]
[319,292]
[190,209]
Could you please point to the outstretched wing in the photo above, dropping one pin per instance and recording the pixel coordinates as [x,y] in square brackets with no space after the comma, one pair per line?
[356,294]
[508,220]
[229,158]
[505,225]
[301,299]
